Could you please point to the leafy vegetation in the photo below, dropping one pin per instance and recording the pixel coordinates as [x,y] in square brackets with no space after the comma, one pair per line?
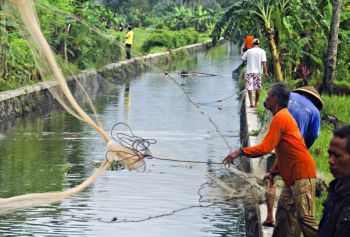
[169,40]
[296,33]
[85,35]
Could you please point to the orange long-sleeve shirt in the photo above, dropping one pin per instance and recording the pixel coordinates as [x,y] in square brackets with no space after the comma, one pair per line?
[293,160]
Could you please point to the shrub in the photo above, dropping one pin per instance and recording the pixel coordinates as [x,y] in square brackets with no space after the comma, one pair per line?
[169,40]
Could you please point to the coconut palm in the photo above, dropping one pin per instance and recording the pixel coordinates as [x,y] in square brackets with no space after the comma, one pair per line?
[331,59]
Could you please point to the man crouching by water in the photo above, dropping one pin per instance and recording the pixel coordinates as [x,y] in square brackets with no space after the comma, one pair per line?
[295,210]
[336,213]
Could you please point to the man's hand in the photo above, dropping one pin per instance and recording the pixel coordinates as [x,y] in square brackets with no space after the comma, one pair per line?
[269,176]
[231,157]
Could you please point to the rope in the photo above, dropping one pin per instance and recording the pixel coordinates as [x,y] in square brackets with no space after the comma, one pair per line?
[197,106]
[139,147]
[221,100]
[243,195]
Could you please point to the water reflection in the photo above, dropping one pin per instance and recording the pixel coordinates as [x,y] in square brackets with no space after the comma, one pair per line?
[55,151]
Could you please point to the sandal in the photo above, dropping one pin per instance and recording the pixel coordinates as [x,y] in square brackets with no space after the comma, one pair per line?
[268,224]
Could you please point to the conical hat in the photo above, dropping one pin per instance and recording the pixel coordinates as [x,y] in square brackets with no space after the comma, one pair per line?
[312,93]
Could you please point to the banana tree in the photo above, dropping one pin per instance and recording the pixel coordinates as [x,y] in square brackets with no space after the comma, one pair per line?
[296,33]
[248,14]
[264,13]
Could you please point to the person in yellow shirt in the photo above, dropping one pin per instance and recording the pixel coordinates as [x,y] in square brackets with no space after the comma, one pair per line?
[129,38]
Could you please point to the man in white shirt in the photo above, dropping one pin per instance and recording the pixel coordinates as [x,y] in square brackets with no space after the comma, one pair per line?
[256,65]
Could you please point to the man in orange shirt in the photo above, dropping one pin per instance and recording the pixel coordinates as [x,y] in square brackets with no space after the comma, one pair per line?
[295,210]
[248,43]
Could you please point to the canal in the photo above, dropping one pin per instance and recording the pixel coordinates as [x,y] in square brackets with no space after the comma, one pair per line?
[54,151]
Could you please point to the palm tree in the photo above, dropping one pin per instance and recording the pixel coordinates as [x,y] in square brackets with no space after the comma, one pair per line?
[275,19]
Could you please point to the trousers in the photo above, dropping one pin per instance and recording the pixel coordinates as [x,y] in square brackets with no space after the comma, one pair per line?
[295,210]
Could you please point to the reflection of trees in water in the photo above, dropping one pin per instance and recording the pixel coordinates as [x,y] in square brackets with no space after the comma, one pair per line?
[35,153]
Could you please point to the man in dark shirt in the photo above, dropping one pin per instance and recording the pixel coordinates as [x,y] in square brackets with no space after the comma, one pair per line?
[336,214]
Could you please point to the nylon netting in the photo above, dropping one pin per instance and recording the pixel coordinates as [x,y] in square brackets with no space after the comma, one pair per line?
[23,14]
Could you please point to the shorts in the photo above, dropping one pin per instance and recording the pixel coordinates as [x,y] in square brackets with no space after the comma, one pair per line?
[253,81]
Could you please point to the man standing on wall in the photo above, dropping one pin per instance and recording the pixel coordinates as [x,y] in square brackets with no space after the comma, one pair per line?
[129,38]
[294,163]
[256,65]
[304,104]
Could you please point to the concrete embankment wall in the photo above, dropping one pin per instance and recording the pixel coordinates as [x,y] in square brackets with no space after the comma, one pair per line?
[21,101]
[252,213]
[252,133]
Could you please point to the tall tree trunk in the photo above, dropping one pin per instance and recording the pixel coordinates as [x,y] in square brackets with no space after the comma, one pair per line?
[3,43]
[275,53]
[331,59]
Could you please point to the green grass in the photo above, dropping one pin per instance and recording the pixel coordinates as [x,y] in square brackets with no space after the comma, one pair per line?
[337,106]
[318,205]
[319,150]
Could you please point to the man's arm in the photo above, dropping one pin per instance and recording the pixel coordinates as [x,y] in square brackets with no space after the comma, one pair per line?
[244,56]
[270,141]
[264,64]
[313,130]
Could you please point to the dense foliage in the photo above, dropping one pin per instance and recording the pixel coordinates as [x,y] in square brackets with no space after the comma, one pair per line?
[84,34]
[296,32]
[169,40]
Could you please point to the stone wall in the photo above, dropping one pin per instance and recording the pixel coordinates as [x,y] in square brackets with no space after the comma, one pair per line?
[21,101]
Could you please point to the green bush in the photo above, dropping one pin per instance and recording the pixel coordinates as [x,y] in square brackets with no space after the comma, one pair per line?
[158,38]
[169,39]
[20,65]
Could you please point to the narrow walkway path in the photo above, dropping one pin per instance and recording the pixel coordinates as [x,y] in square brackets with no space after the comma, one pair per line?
[253,124]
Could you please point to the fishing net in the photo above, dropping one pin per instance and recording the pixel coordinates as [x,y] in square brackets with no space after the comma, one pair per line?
[23,14]
[128,148]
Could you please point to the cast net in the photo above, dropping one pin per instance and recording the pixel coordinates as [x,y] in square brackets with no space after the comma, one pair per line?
[126,147]
[24,16]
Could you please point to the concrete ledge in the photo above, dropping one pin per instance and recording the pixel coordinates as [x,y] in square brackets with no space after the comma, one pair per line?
[258,164]
[18,102]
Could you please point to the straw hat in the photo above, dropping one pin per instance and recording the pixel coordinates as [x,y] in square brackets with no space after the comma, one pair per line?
[312,94]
